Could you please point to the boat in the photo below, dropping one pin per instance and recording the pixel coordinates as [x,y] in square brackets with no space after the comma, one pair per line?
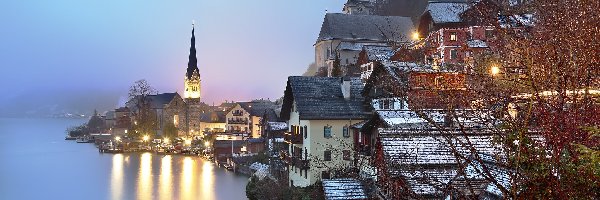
[69,137]
[228,167]
[84,139]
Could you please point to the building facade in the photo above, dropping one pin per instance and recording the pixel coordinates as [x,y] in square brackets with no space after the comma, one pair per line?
[192,92]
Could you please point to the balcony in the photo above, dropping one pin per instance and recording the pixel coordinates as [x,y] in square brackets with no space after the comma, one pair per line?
[237,113]
[293,138]
[295,161]
[237,121]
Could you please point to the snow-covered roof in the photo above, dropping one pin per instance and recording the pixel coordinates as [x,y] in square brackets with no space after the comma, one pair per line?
[446,12]
[365,28]
[524,20]
[477,44]
[343,188]
[277,126]
[404,147]
[474,171]
[262,170]
[411,119]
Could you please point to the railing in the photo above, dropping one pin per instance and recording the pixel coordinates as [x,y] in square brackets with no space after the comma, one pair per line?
[293,138]
[238,113]
[235,121]
[294,160]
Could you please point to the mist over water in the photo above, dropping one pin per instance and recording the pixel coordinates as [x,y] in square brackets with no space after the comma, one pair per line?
[37,163]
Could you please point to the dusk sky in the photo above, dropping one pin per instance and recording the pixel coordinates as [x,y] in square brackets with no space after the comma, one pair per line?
[94,50]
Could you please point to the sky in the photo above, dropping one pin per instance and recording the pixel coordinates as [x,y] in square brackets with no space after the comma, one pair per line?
[74,54]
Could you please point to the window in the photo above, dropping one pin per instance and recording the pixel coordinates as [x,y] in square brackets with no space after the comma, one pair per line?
[452,36]
[327,131]
[327,155]
[305,132]
[489,33]
[176,120]
[453,54]
[324,175]
[346,154]
[345,131]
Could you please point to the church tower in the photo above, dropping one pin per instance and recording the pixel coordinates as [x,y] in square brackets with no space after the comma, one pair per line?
[192,90]
[192,76]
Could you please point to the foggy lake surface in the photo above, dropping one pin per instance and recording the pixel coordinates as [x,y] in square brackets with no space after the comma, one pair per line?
[37,163]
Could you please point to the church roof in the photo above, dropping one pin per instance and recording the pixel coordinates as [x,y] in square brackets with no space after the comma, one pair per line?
[365,27]
[160,100]
[192,60]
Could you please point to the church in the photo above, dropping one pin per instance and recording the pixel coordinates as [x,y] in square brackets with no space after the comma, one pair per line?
[191,93]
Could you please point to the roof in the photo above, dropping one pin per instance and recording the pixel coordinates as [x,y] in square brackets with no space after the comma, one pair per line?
[260,108]
[344,188]
[277,126]
[446,12]
[160,100]
[228,143]
[322,98]
[365,27]
[477,44]
[209,117]
[410,147]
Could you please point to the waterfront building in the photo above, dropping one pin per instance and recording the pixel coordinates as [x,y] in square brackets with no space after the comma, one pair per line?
[319,112]
[245,117]
[213,122]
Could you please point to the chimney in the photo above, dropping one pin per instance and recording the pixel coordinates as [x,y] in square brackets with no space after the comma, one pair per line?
[346,86]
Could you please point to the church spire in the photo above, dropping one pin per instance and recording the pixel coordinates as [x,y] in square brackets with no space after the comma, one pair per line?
[192,62]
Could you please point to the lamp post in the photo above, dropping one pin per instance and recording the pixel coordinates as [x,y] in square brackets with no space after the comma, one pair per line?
[494,70]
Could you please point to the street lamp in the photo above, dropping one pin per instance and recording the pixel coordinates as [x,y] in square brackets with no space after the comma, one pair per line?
[494,70]
[145,138]
[206,144]
[166,140]
[118,139]
[415,35]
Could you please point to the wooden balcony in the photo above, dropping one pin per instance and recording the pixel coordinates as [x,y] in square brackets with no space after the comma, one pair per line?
[293,138]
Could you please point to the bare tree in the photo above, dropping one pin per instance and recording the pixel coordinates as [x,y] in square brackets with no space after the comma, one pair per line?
[140,103]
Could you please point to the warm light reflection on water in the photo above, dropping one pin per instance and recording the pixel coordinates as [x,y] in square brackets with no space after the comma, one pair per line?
[116,180]
[151,176]
[165,183]
[187,180]
[208,179]
[145,177]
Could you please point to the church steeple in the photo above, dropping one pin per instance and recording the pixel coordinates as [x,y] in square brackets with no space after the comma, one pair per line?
[192,61]
[192,75]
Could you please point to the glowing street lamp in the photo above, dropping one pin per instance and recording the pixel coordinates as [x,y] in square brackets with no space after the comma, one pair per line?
[166,140]
[118,139]
[206,144]
[495,70]
[145,138]
[416,35]
[188,142]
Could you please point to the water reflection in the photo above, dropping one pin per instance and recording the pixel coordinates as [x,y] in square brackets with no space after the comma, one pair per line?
[116,180]
[187,180]
[208,179]
[145,177]
[150,176]
[165,183]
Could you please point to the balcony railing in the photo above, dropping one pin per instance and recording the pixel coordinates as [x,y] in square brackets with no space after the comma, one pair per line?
[238,113]
[293,138]
[295,161]
[237,121]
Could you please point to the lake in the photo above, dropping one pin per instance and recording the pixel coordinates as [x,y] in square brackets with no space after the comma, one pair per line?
[37,163]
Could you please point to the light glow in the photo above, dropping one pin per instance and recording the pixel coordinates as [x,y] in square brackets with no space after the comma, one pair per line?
[494,70]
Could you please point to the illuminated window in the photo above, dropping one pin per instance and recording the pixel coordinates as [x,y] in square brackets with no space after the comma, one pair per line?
[176,120]
[452,36]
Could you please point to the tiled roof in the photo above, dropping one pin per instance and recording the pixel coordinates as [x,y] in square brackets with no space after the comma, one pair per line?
[365,27]
[343,188]
[208,117]
[446,12]
[322,98]
[160,100]
[260,108]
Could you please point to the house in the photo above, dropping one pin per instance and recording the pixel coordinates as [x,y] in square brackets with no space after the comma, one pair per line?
[319,112]
[212,122]
[345,35]
[442,14]
[245,117]
[344,188]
